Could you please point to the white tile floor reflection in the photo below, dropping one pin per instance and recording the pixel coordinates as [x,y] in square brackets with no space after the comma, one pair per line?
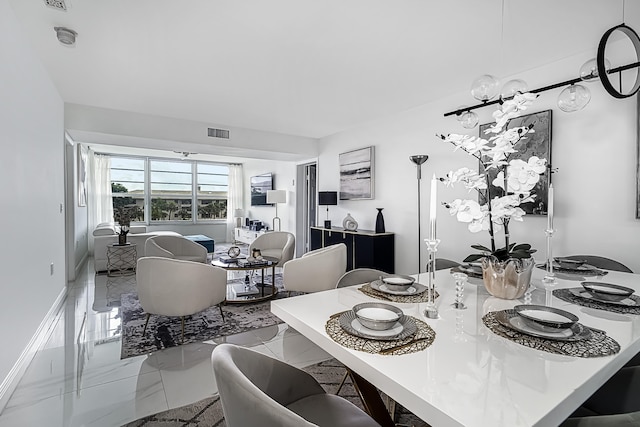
[78,379]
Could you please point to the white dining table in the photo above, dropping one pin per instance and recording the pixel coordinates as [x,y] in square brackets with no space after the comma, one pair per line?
[470,376]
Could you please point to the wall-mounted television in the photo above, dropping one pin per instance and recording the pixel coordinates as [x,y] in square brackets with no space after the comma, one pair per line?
[260,184]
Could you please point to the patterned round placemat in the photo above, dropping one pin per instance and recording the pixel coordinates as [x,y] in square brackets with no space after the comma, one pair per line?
[599,345]
[369,291]
[585,270]
[422,339]
[568,296]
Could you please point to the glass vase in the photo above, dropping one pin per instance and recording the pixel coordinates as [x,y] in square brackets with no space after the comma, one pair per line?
[507,279]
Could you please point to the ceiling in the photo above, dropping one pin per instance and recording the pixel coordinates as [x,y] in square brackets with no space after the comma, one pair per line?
[301,67]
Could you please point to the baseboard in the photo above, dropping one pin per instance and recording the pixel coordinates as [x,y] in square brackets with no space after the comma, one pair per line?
[80,265]
[39,338]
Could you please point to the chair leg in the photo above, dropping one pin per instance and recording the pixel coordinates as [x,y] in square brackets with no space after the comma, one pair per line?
[182,321]
[221,312]
[145,324]
[344,378]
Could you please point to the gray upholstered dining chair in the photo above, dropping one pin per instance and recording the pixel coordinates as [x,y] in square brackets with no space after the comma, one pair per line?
[257,390]
[359,276]
[616,403]
[444,263]
[601,262]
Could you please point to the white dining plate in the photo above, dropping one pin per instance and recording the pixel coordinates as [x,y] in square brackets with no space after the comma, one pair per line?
[582,293]
[404,328]
[510,319]
[414,289]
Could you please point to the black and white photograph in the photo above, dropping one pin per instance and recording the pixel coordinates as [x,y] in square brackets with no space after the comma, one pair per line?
[356,174]
[537,144]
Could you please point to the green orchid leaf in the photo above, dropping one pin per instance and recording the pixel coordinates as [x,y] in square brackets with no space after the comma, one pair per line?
[481,248]
[473,258]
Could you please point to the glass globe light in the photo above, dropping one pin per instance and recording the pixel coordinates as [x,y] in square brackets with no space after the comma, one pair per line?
[485,87]
[574,98]
[469,120]
[512,87]
[589,70]
[461,108]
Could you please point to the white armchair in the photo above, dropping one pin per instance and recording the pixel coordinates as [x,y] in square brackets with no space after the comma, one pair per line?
[172,287]
[317,270]
[176,247]
[275,245]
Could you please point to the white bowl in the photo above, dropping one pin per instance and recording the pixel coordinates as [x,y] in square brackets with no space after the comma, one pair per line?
[377,316]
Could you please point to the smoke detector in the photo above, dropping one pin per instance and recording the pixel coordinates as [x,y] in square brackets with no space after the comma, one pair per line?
[66,36]
[57,4]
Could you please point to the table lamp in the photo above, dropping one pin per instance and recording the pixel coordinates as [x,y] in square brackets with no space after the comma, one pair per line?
[239,213]
[327,198]
[275,197]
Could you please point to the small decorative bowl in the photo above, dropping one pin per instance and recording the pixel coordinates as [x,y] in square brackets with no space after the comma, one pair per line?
[377,315]
[543,318]
[569,264]
[398,282]
[607,291]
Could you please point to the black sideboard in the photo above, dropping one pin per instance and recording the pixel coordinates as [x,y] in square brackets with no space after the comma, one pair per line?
[365,249]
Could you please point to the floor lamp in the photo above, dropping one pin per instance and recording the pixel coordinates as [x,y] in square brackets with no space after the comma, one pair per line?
[419,160]
[275,197]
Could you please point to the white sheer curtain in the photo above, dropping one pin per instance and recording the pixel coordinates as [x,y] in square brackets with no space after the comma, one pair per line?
[235,198]
[100,205]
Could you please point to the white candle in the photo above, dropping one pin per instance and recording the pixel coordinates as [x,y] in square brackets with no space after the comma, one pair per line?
[432,209]
[550,208]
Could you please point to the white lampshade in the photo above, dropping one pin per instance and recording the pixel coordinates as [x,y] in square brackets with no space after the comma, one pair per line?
[239,213]
[276,196]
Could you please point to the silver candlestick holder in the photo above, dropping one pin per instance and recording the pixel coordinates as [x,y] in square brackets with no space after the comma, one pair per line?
[549,280]
[431,311]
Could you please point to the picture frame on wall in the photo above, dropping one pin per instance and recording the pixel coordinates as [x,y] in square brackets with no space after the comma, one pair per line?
[82,175]
[537,144]
[357,174]
[638,154]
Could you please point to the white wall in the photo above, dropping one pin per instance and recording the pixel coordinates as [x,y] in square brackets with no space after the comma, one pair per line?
[31,166]
[595,187]
[284,178]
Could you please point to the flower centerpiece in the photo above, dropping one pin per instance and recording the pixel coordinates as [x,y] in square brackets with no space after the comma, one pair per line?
[506,269]
[122,215]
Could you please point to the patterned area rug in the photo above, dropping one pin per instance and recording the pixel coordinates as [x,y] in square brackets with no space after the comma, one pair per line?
[164,332]
[208,412]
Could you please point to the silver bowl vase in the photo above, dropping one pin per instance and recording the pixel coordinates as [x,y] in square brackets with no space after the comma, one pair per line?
[507,279]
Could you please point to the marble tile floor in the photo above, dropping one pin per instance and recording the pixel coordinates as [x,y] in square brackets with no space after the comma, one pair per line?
[78,379]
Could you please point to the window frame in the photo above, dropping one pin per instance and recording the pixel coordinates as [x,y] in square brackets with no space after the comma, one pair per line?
[147,196]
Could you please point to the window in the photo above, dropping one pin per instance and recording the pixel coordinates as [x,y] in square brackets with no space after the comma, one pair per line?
[171,189]
[127,185]
[213,184]
[171,186]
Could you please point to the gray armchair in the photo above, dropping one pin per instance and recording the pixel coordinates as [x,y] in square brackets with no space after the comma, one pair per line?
[257,390]
[276,245]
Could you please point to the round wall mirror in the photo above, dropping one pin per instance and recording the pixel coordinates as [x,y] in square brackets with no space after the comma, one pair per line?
[621,46]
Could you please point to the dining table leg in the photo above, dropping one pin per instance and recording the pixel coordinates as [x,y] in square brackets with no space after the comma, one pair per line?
[372,401]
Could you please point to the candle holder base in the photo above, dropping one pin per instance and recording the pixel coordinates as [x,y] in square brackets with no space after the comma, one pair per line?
[459,306]
[431,312]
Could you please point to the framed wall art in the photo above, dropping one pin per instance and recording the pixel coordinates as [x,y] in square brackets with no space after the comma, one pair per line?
[536,144]
[638,159]
[82,175]
[356,174]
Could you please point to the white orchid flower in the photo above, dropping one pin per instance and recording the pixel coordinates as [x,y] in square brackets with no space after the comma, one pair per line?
[471,179]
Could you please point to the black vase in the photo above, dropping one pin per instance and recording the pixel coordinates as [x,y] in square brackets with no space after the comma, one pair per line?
[379,221]
[122,239]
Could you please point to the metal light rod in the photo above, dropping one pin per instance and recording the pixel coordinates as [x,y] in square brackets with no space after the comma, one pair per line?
[542,89]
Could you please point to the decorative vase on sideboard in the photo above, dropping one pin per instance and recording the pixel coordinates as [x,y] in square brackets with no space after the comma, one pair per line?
[379,221]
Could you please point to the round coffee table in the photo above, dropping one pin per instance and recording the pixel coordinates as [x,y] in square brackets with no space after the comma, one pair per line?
[248,292]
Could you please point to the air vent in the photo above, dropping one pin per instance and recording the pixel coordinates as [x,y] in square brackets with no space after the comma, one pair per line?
[218,133]
[56,4]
